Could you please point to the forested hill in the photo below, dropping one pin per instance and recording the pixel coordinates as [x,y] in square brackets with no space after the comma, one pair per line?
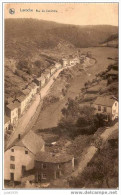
[29,35]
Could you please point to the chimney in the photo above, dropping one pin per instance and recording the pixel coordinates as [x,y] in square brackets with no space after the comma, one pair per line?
[19,136]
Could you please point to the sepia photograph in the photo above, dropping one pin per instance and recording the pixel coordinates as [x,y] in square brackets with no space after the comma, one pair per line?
[61,91]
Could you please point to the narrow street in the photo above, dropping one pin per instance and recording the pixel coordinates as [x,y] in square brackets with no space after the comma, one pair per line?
[91,150]
[27,116]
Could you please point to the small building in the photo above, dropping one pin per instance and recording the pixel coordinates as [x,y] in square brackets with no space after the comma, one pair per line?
[65,62]
[13,111]
[21,99]
[27,93]
[50,166]
[40,81]
[19,158]
[107,106]
[6,123]
[53,70]
[58,66]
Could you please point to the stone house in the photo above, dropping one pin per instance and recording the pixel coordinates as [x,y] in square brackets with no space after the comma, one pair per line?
[50,166]
[47,74]
[65,62]
[107,106]
[19,158]
[6,123]
[13,111]
[53,70]
[22,100]
[40,82]
[27,95]
[58,66]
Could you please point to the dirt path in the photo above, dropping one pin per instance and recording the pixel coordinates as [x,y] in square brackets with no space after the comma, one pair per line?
[91,151]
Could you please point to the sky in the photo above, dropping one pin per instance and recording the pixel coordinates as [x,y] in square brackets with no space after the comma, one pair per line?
[68,13]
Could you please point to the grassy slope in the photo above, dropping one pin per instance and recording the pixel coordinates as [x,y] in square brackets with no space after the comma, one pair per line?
[26,36]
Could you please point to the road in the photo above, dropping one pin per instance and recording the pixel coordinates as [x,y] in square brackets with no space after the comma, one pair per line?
[91,151]
[27,116]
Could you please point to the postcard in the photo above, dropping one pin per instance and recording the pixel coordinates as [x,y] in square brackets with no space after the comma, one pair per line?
[61,96]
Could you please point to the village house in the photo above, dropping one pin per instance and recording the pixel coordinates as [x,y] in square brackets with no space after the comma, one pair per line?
[58,66]
[6,123]
[27,93]
[40,82]
[19,158]
[13,111]
[47,73]
[74,61]
[22,100]
[107,106]
[53,70]
[50,166]
[65,62]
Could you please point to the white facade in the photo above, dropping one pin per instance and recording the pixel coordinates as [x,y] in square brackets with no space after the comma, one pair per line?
[58,66]
[14,115]
[22,157]
[53,70]
[111,111]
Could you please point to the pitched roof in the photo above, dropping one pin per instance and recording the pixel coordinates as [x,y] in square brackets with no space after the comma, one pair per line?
[53,158]
[26,91]
[21,98]
[6,119]
[40,78]
[14,105]
[105,101]
[31,141]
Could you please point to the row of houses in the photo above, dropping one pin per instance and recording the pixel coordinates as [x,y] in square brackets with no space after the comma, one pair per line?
[27,156]
[15,108]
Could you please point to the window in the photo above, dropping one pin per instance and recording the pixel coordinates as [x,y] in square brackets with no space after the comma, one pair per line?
[44,166]
[105,109]
[116,104]
[59,166]
[26,152]
[12,158]
[12,150]
[12,166]
[44,176]
[99,108]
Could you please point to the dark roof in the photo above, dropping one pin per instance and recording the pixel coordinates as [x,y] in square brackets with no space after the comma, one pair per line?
[105,101]
[14,105]
[53,158]
[6,119]
[26,91]
[40,78]
[21,98]
[32,142]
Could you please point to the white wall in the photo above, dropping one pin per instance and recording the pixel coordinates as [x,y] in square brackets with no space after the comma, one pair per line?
[20,159]
[115,110]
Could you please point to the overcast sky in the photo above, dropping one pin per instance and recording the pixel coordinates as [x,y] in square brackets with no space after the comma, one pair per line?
[69,13]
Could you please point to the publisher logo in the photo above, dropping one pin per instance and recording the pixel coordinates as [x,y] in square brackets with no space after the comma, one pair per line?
[12,11]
